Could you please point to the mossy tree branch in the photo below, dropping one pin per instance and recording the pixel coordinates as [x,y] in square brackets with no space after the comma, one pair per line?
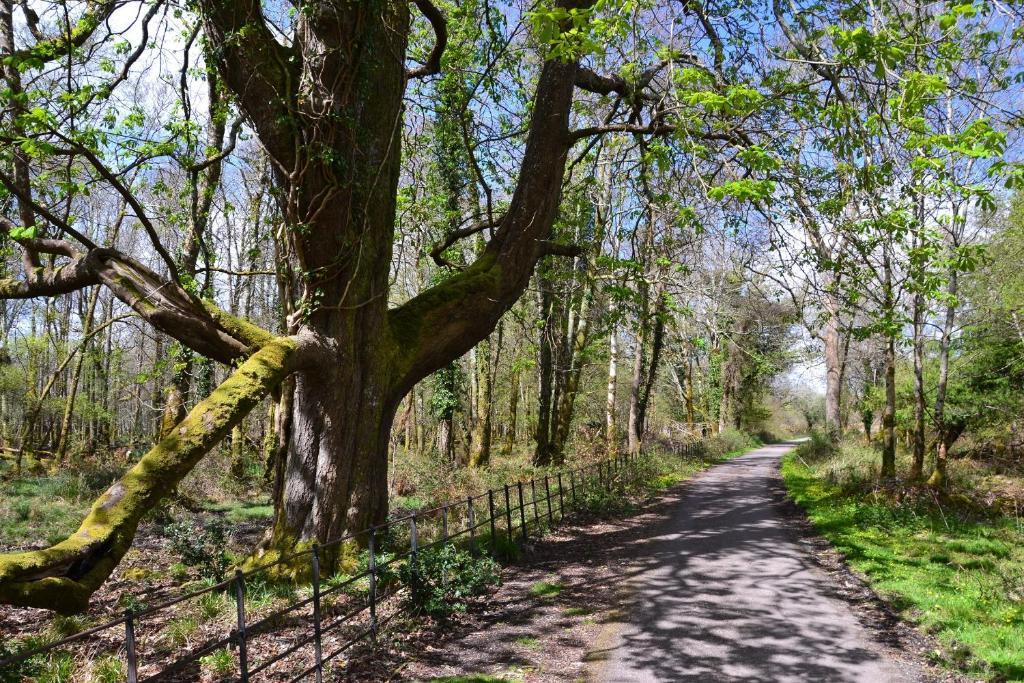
[64,576]
[448,319]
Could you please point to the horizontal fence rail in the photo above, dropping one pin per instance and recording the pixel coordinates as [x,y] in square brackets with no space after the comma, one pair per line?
[355,608]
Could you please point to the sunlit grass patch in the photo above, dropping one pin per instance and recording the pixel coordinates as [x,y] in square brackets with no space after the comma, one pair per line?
[41,508]
[578,611]
[243,511]
[960,578]
[546,589]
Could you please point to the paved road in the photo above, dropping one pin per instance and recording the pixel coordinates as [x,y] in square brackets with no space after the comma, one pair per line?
[725,593]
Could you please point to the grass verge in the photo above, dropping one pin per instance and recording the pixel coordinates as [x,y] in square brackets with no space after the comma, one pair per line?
[956,574]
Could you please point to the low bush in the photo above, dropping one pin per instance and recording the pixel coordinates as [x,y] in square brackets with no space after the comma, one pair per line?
[442,579]
[729,442]
[201,547]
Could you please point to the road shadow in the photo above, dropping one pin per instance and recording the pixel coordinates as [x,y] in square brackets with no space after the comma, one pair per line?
[708,583]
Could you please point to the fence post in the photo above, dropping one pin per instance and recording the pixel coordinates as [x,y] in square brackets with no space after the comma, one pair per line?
[572,486]
[561,500]
[533,495]
[547,497]
[494,530]
[317,646]
[372,568]
[444,523]
[243,658]
[522,510]
[129,641]
[471,519]
[508,516]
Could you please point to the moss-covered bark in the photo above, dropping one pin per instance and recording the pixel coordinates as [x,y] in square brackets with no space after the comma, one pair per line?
[63,576]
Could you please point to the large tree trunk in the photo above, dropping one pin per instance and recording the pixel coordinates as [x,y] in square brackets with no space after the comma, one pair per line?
[330,119]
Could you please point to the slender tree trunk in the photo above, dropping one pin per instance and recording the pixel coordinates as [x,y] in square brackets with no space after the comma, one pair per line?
[633,427]
[651,376]
[832,338]
[76,374]
[726,404]
[480,453]
[917,463]
[939,474]
[889,413]
[611,422]
[690,417]
[513,410]
[545,374]
[420,433]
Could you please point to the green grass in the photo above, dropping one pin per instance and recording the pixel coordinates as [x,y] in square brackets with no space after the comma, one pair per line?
[108,669]
[242,511]
[578,611]
[960,577]
[546,589]
[180,629]
[219,663]
[528,641]
[46,508]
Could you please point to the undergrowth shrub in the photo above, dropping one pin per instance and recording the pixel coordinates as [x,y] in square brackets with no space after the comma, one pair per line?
[442,579]
[844,463]
[727,442]
[24,670]
[201,547]
[818,447]
[603,502]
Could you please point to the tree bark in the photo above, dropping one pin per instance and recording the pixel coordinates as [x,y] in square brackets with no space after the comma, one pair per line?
[76,376]
[918,447]
[945,432]
[545,373]
[633,426]
[513,411]
[611,421]
[889,413]
[480,449]
[832,339]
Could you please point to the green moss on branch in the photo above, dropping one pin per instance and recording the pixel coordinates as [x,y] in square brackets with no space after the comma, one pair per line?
[63,576]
